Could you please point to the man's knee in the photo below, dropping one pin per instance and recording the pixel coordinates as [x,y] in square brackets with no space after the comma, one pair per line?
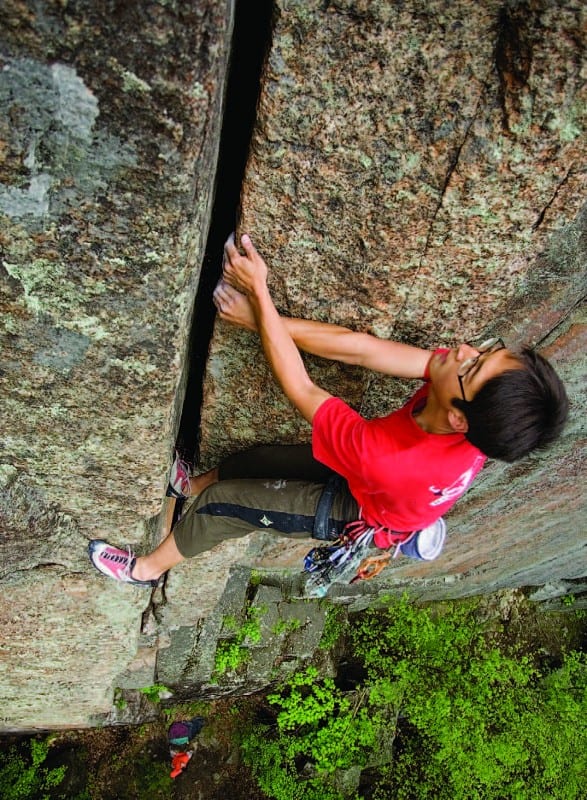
[220,492]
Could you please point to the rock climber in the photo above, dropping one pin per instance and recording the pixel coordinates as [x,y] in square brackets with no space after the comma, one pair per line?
[397,474]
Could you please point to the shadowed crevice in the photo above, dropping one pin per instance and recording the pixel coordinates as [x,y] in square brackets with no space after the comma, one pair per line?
[251,40]
[513,55]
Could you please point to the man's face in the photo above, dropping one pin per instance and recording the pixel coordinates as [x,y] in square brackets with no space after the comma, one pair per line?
[444,370]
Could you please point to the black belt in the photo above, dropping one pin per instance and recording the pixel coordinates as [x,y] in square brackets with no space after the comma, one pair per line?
[322,522]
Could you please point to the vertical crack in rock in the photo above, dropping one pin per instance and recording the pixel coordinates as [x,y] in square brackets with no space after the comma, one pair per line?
[542,213]
[251,40]
[513,56]
[450,172]
[561,322]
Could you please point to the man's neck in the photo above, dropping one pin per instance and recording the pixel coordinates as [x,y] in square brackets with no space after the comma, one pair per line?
[432,417]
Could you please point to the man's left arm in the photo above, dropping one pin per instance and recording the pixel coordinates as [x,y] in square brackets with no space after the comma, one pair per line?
[248,273]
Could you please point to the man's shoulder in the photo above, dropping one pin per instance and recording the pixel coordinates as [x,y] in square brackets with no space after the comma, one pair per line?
[333,406]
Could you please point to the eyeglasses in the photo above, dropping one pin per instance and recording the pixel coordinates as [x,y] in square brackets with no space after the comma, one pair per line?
[485,348]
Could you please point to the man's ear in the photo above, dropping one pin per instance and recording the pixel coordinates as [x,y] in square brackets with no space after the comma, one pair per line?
[457,420]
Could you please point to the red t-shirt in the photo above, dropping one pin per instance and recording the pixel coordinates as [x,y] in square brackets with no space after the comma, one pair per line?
[402,477]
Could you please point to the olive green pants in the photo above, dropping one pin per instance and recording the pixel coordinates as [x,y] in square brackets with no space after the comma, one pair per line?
[268,488]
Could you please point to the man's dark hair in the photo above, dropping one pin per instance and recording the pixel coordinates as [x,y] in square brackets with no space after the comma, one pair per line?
[517,410]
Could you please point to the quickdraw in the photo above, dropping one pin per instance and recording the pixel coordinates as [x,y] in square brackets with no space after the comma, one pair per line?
[350,559]
[345,560]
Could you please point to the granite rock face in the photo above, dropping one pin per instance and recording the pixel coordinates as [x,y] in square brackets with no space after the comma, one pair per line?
[109,134]
[109,137]
[416,171]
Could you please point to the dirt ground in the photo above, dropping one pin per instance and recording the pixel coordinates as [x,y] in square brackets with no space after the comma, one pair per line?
[132,763]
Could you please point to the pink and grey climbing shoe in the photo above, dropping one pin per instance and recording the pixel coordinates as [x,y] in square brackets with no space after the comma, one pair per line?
[114,562]
[179,479]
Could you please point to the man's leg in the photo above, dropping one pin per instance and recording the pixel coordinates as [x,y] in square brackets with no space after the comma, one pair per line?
[225,510]
[270,461]
[230,510]
[235,508]
[293,461]
[200,482]
[123,565]
[197,485]
[153,565]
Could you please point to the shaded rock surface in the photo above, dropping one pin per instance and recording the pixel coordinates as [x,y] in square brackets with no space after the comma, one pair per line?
[419,173]
[125,762]
[415,171]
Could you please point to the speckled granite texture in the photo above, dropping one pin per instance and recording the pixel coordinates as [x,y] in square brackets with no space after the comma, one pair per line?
[109,129]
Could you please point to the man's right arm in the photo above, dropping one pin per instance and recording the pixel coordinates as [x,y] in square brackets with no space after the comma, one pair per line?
[342,344]
[331,341]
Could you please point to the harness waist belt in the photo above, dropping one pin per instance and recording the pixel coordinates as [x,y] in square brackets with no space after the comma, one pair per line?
[321,521]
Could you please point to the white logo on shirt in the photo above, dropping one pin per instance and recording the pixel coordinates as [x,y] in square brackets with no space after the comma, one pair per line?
[457,488]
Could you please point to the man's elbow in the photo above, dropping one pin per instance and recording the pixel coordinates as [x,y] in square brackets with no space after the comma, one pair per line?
[309,400]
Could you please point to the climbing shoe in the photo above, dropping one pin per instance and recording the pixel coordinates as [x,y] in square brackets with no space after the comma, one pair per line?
[179,479]
[115,563]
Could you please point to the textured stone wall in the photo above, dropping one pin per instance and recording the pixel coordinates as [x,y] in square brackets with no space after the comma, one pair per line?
[416,170]
[109,134]
[109,130]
